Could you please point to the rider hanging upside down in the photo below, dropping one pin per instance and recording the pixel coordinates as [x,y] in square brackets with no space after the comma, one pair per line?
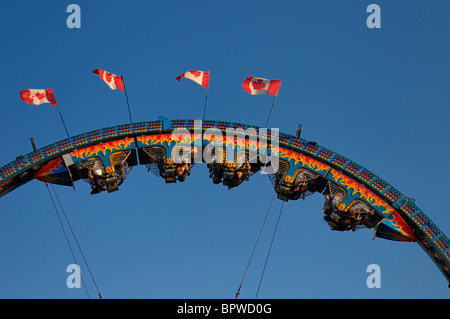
[337,219]
[183,170]
[215,172]
[97,181]
[241,174]
[229,177]
[300,187]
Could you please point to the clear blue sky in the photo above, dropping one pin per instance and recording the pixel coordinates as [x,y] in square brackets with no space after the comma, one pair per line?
[377,96]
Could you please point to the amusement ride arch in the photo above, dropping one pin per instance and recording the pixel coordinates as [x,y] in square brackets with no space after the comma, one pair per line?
[355,197]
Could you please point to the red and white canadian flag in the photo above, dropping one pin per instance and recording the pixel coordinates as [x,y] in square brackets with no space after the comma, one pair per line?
[113,81]
[198,77]
[37,96]
[257,86]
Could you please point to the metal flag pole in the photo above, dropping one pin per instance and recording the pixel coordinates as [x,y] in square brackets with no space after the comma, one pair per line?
[206,99]
[206,96]
[126,96]
[60,115]
[271,110]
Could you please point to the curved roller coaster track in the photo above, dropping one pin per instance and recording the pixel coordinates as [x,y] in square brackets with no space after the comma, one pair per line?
[299,163]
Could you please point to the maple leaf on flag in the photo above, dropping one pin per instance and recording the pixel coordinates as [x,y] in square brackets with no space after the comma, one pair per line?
[259,84]
[40,96]
[196,73]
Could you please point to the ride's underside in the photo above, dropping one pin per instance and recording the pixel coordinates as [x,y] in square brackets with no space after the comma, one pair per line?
[354,197]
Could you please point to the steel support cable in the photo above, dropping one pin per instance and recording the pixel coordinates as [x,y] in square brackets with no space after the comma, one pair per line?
[270,248]
[254,248]
[67,238]
[78,245]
